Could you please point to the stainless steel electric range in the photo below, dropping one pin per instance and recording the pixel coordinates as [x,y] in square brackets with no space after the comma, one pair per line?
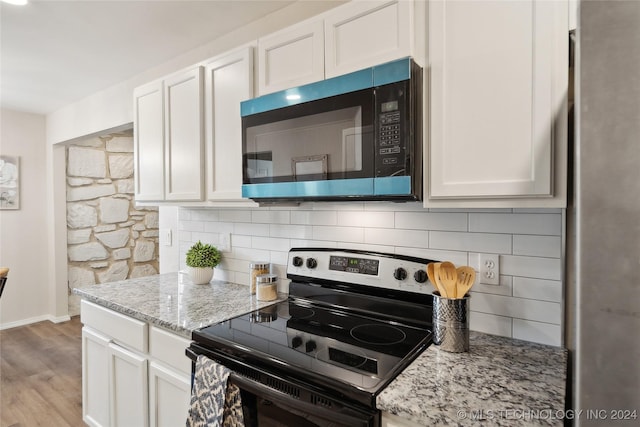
[352,322]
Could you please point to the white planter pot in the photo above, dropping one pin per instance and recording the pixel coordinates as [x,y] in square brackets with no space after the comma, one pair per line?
[200,275]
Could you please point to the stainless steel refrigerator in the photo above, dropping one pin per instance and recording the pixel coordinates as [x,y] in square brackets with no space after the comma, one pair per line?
[603,218]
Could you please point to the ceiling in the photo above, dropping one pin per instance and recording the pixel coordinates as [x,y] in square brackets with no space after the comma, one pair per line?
[53,53]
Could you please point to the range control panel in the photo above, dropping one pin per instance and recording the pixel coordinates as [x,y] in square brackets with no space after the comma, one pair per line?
[390,271]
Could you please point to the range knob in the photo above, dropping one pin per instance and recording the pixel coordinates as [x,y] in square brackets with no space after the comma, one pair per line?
[297,261]
[400,273]
[310,346]
[296,342]
[420,276]
[312,263]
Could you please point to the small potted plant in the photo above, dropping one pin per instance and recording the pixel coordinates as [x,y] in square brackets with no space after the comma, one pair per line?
[201,258]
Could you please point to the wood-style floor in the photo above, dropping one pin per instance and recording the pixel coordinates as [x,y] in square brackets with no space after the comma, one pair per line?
[41,375]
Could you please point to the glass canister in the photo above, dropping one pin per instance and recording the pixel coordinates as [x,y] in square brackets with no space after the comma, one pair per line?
[266,287]
[255,270]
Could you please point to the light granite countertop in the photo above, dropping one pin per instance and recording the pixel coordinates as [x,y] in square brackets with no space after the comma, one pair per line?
[499,382]
[171,301]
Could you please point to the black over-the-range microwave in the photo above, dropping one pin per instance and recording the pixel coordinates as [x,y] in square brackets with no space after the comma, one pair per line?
[352,137]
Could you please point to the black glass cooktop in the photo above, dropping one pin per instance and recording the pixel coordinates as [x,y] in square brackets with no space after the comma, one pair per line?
[337,345]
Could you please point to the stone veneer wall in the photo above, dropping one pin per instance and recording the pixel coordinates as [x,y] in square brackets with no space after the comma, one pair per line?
[108,238]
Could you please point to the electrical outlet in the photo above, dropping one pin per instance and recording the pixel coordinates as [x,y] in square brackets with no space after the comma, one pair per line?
[225,242]
[490,269]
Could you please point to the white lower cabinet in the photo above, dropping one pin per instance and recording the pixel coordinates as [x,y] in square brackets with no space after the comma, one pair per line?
[169,394]
[95,378]
[133,374]
[128,395]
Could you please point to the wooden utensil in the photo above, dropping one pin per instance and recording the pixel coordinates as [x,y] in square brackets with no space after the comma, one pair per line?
[436,280]
[4,271]
[448,276]
[466,279]
[432,275]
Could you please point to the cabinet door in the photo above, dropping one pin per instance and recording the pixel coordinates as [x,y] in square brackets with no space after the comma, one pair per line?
[364,34]
[228,81]
[291,57]
[169,396]
[148,137]
[498,98]
[128,388]
[184,136]
[95,378]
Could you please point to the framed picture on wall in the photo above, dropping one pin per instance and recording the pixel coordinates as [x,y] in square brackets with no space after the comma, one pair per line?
[9,182]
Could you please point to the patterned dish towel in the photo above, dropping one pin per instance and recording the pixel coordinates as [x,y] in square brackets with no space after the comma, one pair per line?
[214,403]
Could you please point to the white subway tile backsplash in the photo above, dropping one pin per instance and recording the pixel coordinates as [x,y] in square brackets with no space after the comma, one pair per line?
[251,254]
[541,268]
[544,333]
[542,224]
[527,309]
[395,237]
[314,217]
[190,226]
[526,304]
[210,238]
[490,324]
[270,217]
[544,290]
[504,288]
[204,215]
[218,227]
[291,231]
[476,242]
[279,257]
[365,219]
[240,241]
[342,234]
[309,243]
[432,221]
[270,243]
[235,215]
[247,229]
[334,206]
[542,246]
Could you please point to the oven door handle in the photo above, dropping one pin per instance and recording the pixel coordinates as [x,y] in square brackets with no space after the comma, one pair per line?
[293,404]
[296,405]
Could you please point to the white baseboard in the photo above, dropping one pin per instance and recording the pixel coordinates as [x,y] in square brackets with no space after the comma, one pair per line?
[36,319]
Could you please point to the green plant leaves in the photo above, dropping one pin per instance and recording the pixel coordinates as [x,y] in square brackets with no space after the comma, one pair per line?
[203,255]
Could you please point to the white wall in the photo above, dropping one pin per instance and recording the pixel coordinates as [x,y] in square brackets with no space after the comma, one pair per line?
[528,303]
[24,233]
[112,108]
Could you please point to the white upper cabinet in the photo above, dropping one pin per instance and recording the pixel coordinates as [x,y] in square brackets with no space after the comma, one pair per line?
[498,115]
[291,57]
[149,142]
[228,81]
[363,34]
[184,136]
[353,36]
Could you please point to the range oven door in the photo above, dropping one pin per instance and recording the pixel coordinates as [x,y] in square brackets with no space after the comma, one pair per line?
[270,399]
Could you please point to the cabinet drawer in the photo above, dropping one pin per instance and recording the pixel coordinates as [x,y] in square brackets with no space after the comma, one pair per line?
[169,348]
[130,332]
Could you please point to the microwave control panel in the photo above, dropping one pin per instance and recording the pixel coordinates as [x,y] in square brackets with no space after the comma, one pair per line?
[391,139]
